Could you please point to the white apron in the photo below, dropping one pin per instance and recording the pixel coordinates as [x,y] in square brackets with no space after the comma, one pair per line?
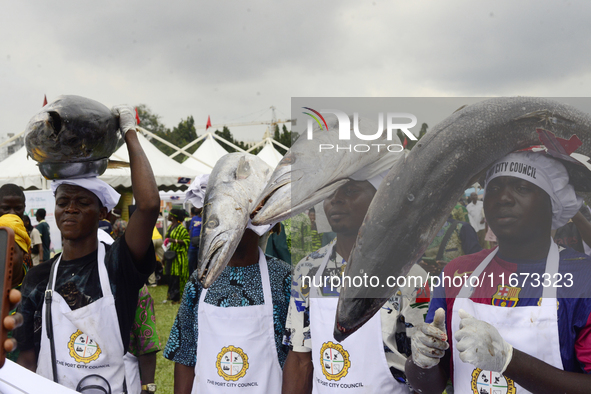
[87,340]
[531,329]
[236,346]
[356,365]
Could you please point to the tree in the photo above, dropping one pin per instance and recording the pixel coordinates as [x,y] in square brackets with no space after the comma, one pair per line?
[180,136]
[149,120]
[227,135]
[285,137]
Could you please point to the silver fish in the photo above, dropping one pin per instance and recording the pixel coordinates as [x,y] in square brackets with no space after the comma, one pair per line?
[235,182]
[72,136]
[304,177]
[417,196]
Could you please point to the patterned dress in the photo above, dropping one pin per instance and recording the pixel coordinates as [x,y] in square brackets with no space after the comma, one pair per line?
[179,269]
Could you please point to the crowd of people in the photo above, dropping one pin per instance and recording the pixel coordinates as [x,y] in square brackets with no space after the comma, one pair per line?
[86,318]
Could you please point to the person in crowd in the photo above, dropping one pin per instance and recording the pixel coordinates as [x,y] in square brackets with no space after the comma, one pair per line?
[277,244]
[78,308]
[316,361]
[194,232]
[177,240]
[316,237]
[527,326]
[12,200]
[22,244]
[36,244]
[144,343]
[233,330]
[157,241]
[476,215]
[43,228]
[119,225]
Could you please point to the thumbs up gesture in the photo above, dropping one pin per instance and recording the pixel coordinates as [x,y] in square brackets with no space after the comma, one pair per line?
[481,345]
[429,342]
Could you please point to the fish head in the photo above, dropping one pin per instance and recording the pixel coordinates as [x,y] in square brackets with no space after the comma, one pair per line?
[236,180]
[308,174]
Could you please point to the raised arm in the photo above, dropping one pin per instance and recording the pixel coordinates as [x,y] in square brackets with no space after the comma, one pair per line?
[145,190]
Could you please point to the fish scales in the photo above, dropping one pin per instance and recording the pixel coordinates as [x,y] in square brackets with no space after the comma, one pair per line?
[418,194]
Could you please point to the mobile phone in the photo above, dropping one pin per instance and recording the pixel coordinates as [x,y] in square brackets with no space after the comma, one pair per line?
[6,257]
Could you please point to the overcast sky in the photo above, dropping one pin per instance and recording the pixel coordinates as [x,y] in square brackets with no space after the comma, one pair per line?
[233,60]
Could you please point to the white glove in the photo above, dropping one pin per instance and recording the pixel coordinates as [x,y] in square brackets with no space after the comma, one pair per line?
[481,345]
[429,342]
[126,115]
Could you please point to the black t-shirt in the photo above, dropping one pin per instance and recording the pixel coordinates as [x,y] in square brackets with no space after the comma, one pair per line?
[78,282]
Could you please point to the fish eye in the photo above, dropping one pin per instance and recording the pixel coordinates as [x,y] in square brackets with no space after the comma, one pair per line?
[212,223]
[288,159]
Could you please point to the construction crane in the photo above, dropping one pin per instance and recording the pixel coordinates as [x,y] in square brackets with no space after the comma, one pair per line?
[272,123]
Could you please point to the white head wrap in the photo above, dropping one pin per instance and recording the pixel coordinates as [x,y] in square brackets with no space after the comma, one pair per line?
[105,193]
[548,174]
[196,195]
[376,181]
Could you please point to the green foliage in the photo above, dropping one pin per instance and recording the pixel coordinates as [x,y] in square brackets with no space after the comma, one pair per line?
[165,315]
[150,121]
[285,137]
[227,135]
[180,136]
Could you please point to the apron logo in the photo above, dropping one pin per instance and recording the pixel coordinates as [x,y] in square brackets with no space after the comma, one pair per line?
[82,348]
[506,296]
[335,361]
[232,363]
[488,382]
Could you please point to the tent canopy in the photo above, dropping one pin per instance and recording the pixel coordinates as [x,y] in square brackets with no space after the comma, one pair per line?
[22,171]
[166,170]
[209,152]
[269,154]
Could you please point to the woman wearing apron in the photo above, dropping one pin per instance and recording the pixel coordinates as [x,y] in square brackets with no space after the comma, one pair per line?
[520,318]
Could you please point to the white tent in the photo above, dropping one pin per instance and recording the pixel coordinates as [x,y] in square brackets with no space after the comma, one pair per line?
[166,170]
[269,154]
[209,152]
[21,171]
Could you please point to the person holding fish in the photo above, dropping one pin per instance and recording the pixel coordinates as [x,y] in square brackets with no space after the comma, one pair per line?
[520,321]
[373,359]
[228,331]
[79,307]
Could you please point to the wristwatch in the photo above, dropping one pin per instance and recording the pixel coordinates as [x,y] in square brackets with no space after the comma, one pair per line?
[150,387]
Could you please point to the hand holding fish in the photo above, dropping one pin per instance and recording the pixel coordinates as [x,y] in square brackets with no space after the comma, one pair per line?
[429,342]
[126,115]
[481,345]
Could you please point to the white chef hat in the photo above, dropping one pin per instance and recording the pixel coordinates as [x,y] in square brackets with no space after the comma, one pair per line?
[545,172]
[105,193]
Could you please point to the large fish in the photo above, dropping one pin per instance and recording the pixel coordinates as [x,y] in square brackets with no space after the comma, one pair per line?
[305,177]
[72,136]
[416,197]
[235,182]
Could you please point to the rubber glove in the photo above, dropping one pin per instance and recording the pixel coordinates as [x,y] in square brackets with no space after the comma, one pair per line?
[126,115]
[481,345]
[429,342]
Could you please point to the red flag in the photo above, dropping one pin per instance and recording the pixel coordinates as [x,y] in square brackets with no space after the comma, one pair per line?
[137,117]
[405,143]
[208,125]
[44,100]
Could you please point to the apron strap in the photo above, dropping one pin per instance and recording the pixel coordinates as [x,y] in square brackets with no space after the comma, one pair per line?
[48,320]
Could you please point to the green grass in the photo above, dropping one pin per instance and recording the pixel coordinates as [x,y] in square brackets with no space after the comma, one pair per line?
[165,315]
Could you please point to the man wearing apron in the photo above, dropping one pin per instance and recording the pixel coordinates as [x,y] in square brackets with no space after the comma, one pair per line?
[227,338]
[522,323]
[78,308]
[372,359]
